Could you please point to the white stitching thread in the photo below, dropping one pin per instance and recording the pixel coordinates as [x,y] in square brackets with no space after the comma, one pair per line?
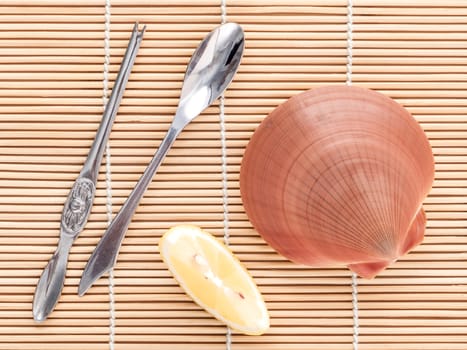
[108,172]
[349,41]
[223,11]
[355,310]
[225,195]
[349,82]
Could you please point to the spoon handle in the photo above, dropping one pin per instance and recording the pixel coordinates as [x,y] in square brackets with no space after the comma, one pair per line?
[104,256]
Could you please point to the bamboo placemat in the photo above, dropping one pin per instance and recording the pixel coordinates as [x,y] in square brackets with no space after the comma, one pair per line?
[51,98]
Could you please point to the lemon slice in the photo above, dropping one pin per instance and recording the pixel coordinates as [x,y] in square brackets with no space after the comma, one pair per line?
[209,273]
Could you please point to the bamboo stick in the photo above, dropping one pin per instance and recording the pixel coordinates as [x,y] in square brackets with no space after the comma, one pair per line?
[407,19]
[205,27]
[176,3]
[100,346]
[202,18]
[401,3]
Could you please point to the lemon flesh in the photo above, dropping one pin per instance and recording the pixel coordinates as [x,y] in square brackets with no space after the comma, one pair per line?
[209,273]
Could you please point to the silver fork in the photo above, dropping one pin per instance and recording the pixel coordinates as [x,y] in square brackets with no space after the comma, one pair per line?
[80,199]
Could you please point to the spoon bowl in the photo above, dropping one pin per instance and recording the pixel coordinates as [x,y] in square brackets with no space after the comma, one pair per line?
[211,69]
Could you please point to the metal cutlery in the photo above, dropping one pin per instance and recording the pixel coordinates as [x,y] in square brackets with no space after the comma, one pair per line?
[80,199]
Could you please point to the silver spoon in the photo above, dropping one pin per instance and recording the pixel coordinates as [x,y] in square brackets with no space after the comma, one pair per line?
[79,202]
[209,72]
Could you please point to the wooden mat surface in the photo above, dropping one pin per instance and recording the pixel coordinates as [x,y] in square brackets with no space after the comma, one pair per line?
[51,87]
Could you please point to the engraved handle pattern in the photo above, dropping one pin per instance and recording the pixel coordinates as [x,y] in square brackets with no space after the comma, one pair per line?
[78,206]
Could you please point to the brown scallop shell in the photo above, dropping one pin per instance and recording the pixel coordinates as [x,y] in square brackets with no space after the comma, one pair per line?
[337,175]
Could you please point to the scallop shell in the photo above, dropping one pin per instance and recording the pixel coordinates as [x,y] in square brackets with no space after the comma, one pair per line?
[337,175]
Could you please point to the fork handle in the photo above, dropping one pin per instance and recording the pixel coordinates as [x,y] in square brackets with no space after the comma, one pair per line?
[93,161]
[51,282]
[79,202]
